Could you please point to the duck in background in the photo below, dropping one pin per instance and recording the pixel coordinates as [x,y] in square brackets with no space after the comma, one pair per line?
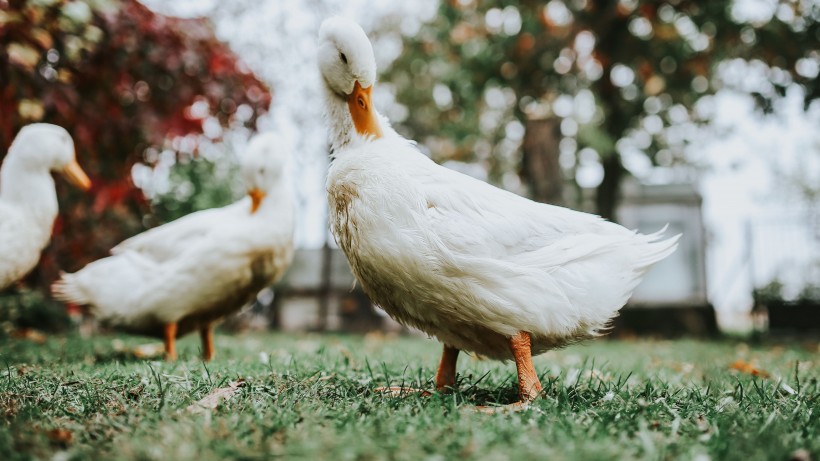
[185,275]
[28,200]
[479,268]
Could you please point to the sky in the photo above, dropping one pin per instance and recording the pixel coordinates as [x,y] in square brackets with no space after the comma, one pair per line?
[751,169]
[748,160]
[744,158]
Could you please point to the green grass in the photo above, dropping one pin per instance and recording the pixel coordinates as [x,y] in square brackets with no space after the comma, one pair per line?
[312,397]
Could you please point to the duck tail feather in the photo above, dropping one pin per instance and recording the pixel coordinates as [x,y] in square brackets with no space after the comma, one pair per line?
[67,290]
[658,249]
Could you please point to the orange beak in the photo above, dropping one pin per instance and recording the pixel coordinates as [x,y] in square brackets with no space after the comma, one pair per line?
[76,176]
[361,110]
[256,199]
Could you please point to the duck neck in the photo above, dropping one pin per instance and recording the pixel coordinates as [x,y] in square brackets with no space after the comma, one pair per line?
[276,196]
[277,199]
[341,129]
[339,122]
[31,189]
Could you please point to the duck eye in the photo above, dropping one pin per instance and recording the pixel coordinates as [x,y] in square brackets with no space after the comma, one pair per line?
[361,102]
[343,57]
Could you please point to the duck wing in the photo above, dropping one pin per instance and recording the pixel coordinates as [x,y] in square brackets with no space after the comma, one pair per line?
[19,249]
[172,239]
[472,217]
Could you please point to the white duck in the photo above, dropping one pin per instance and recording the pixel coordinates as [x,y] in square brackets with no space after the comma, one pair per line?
[479,268]
[185,275]
[28,201]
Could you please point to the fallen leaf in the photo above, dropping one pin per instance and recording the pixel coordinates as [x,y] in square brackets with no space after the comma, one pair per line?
[29,334]
[684,367]
[496,410]
[61,436]
[212,400]
[748,368]
[399,391]
[149,351]
[143,351]
[136,392]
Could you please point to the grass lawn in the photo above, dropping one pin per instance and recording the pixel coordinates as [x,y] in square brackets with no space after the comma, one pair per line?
[311,397]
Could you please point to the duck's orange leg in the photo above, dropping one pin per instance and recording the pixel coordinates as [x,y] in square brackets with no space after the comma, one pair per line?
[446,374]
[206,333]
[529,386]
[170,334]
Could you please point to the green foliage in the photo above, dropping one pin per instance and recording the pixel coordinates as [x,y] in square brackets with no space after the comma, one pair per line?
[310,397]
[771,292]
[624,71]
[30,309]
[197,184]
[810,294]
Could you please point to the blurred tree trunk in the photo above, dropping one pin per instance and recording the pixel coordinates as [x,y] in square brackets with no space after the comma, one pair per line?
[325,288]
[541,169]
[609,191]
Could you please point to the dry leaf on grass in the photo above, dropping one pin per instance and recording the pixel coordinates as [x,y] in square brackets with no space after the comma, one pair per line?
[399,391]
[29,334]
[497,410]
[23,370]
[212,400]
[149,351]
[143,351]
[748,368]
[60,436]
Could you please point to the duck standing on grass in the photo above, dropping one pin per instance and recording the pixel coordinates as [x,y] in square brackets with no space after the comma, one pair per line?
[28,201]
[185,275]
[481,269]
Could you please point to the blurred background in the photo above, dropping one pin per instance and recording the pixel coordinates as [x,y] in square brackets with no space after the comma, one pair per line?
[703,115]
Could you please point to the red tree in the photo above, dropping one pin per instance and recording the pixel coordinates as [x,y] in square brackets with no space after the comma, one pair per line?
[121,79]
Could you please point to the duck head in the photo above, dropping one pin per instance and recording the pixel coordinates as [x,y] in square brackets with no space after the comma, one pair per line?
[348,68]
[263,166]
[47,147]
